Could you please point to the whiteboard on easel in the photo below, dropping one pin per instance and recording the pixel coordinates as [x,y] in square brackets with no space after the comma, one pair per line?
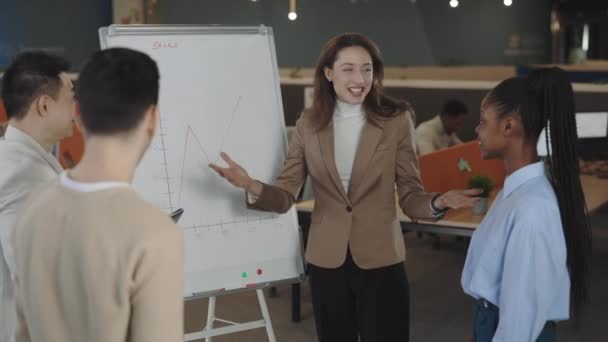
[219,91]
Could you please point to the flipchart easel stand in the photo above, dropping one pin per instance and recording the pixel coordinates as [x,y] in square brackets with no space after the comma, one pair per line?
[233,327]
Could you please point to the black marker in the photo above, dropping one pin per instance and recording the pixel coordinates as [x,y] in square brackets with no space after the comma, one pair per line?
[177,214]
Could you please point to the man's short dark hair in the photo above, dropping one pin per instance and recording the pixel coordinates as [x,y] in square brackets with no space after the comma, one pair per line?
[454,108]
[30,75]
[114,90]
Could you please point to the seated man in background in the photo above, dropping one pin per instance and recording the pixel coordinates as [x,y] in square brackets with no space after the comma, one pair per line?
[440,132]
[95,262]
[39,100]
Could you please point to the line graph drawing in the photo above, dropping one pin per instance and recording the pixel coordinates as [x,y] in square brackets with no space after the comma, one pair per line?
[234,228]
[233,222]
[222,213]
[164,163]
[191,133]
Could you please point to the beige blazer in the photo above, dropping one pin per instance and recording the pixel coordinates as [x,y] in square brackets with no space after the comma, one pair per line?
[363,218]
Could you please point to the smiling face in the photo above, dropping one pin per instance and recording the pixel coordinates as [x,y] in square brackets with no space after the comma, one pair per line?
[61,109]
[352,74]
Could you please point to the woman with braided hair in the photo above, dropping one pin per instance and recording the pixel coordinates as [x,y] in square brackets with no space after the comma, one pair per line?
[527,262]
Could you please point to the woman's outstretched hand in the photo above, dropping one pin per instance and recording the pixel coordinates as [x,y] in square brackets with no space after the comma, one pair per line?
[237,175]
[234,173]
[455,199]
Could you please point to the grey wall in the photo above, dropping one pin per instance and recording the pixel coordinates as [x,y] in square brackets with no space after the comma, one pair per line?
[8,31]
[427,32]
[65,26]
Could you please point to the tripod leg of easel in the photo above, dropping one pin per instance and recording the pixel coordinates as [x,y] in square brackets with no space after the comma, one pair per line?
[210,317]
[266,315]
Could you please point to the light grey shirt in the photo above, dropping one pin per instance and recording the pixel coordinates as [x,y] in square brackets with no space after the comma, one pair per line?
[25,166]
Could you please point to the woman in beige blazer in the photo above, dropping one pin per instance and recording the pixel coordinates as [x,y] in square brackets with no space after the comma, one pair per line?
[357,145]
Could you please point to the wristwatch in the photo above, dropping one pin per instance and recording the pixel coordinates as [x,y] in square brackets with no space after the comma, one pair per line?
[435,209]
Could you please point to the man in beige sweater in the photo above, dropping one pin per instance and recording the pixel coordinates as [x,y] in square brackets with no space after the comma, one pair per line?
[94,261]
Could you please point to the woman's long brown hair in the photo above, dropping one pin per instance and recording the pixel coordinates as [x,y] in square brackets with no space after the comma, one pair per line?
[376,105]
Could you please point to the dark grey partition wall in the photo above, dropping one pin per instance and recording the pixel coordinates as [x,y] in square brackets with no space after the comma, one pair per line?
[293,102]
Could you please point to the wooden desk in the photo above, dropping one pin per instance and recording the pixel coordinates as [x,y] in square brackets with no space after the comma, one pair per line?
[596,192]
[462,222]
[459,222]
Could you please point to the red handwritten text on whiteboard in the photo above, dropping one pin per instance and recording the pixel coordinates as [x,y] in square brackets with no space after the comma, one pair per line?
[164,45]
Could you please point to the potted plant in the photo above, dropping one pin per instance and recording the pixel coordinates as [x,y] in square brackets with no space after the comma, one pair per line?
[486,184]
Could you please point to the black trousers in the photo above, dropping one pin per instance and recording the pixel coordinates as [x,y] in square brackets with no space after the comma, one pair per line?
[350,302]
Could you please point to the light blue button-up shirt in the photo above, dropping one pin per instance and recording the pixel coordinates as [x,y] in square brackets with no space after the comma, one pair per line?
[517,257]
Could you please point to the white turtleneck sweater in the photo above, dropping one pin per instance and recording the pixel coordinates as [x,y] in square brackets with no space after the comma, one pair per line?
[348,121]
